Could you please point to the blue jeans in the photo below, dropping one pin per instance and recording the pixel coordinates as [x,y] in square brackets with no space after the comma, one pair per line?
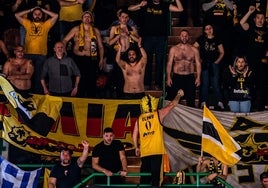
[211,74]
[240,106]
[154,45]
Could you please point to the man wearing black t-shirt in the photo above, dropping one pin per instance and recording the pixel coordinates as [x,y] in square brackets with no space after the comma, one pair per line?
[66,174]
[109,157]
[257,52]
[154,16]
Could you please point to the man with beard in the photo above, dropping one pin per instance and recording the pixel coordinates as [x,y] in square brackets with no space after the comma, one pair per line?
[153,27]
[109,157]
[36,39]
[66,174]
[88,53]
[19,70]
[133,71]
[183,61]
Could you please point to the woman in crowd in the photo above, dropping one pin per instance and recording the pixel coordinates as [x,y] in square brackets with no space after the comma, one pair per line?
[239,81]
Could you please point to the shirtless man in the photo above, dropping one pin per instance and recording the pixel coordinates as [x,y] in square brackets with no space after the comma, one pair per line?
[122,33]
[133,71]
[88,49]
[19,70]
[183,61]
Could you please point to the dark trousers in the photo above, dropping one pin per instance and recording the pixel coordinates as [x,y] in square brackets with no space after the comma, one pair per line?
[154,45]
[88,69]
[38,62]
[187,84]
[151,164]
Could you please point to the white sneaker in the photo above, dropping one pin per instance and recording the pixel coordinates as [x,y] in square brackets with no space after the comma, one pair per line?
[220,104]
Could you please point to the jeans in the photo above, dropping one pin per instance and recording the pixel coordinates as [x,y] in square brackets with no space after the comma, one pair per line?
[240,106]
[154,45]
[210,74]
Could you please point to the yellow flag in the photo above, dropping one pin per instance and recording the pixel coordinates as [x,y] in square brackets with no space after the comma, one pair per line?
[46,177]
[216,141]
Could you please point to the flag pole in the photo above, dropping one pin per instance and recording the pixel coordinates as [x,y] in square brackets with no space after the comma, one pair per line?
[201,152]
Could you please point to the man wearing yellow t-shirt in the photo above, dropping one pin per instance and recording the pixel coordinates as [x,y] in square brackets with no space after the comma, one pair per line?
[148,128]
[36,39]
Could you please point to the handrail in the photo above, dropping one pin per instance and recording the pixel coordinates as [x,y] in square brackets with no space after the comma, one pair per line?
[197,184]
[198,175]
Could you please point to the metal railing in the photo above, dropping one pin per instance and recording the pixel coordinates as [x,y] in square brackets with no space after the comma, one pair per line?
[172,174]
[134,174]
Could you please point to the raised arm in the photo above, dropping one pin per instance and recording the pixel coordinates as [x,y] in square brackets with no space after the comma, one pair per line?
[165,110]
[53,15]
[121,63]
[82,159]
[19,15]
[243,22]
[229,4]
[143,52]
[16,5]
[134,34]
[207,6]
[177,8]
[137,6]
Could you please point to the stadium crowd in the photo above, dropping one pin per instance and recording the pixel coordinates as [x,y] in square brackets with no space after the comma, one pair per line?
[70,48]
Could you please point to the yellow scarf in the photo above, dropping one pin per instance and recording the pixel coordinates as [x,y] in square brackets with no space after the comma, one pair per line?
[82,34]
